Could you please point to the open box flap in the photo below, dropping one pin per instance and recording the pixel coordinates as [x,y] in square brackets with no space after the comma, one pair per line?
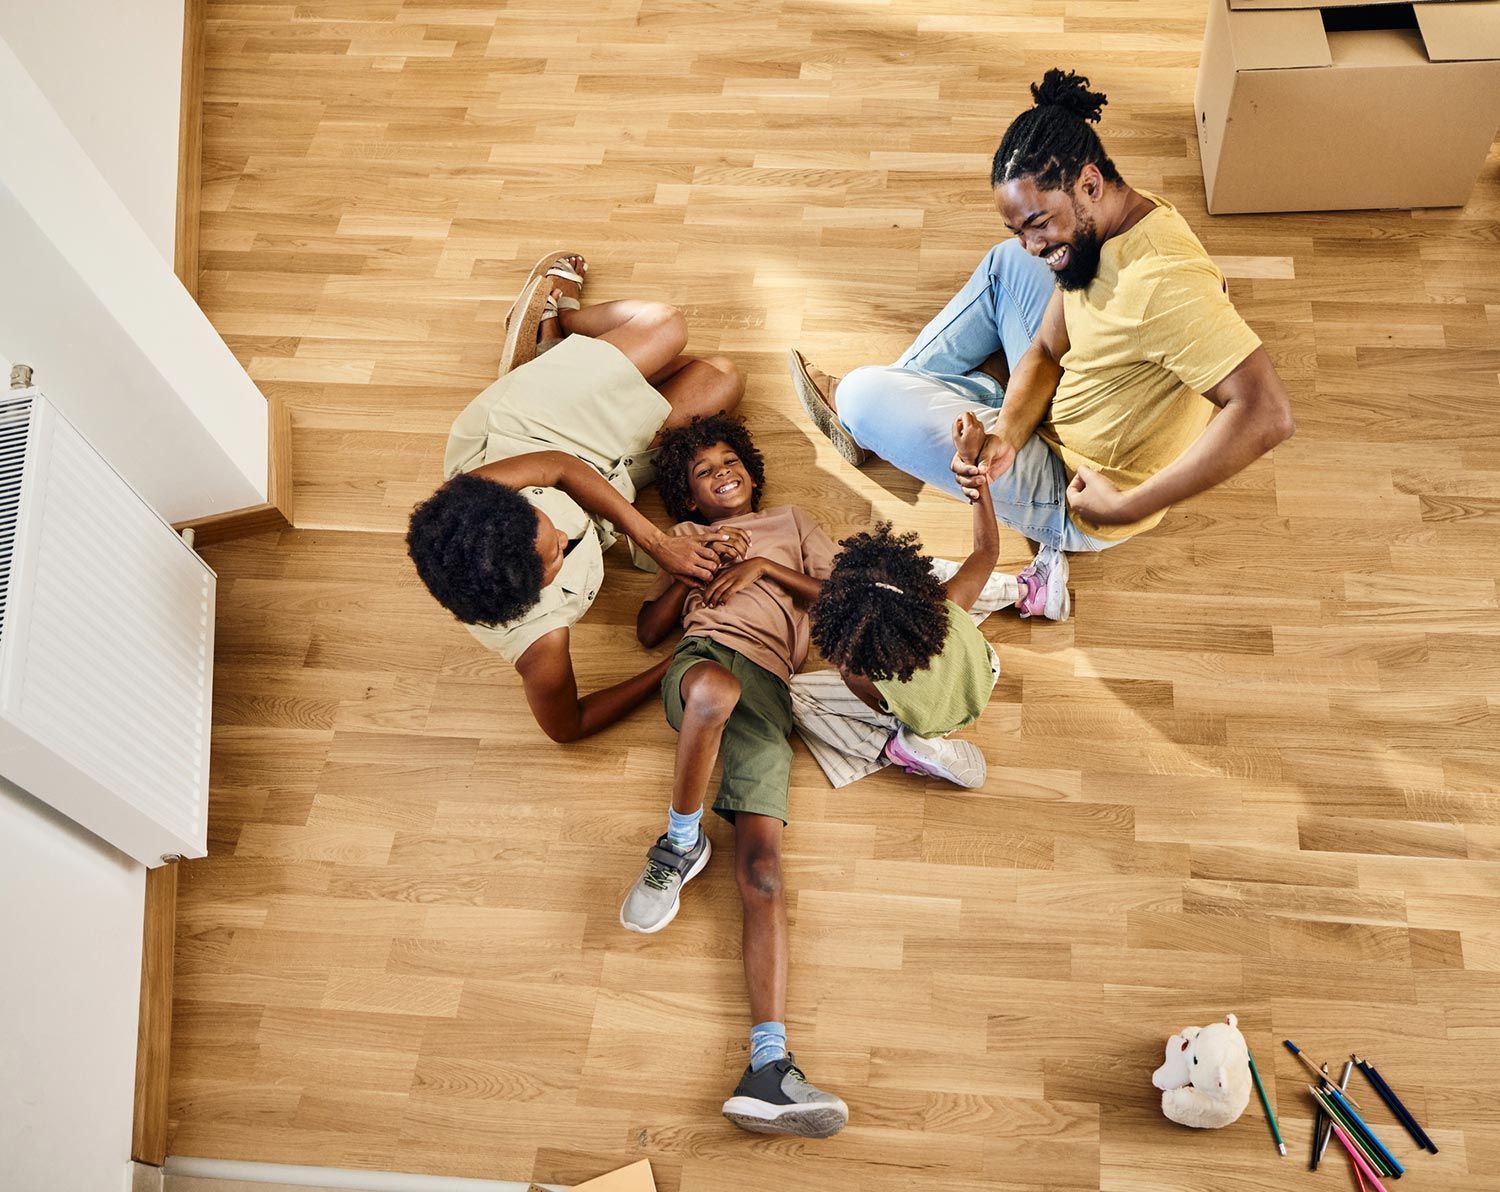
[1256,5]
[1278,40]
[1460,30]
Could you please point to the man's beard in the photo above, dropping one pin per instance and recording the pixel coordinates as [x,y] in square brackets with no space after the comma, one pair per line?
[1083,255]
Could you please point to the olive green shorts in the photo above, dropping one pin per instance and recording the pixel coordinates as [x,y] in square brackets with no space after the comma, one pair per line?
[756,754]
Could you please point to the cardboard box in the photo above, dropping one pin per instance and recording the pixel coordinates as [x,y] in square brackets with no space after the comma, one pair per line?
[1342,105]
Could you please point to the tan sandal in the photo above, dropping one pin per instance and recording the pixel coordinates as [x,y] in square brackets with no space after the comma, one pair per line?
[523,323]
[554,264]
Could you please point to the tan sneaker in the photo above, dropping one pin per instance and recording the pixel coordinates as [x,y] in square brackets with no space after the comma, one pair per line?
[815,390]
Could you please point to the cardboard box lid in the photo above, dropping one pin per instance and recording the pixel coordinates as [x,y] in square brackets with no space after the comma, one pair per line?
[1252,5]
[1460,30]
[1279,40]
[1289,34]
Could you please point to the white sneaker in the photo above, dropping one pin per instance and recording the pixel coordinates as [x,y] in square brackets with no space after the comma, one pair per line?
[957,762]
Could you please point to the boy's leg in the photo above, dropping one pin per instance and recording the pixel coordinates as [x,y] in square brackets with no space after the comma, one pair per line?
[772,1097]
[999,307]
[705,696]
[757,870]
[709,694]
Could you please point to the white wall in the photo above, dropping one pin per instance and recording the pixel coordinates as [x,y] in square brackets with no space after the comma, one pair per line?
[87,300]
[113,71]
[71,910]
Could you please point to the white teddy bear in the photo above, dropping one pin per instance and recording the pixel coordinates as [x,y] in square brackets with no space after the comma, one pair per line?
[1206,1076]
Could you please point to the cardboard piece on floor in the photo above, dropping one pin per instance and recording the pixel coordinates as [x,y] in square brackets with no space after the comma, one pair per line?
[635,1178]
[1326,105]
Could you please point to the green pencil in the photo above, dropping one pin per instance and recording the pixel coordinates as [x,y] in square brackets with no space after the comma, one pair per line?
[1266,1104]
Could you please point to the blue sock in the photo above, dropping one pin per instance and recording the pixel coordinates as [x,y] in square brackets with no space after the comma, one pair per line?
[767,1044]
[682,830]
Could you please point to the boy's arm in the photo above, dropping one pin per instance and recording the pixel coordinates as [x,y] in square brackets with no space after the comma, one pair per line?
[660,615]
[969,580]
[546,670]
[804,588]
[691,558]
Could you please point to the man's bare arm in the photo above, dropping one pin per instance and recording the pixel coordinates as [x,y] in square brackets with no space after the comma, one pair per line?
[1255,415]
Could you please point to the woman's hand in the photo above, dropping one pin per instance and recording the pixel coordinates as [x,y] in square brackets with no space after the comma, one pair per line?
[736,577]
[692,560]
[730,543]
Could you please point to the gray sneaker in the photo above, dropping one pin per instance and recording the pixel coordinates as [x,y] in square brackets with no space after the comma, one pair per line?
[653,901]
[778,1100]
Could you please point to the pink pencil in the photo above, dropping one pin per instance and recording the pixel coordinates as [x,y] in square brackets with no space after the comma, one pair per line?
[1359,1161]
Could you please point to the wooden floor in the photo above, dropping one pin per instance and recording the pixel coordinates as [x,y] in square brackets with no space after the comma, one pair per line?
[1256,772]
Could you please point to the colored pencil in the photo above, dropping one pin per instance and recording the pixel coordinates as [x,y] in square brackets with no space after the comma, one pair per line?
[1328,1125]
[1343,1103]
[1341,1119]
[1313,1068]
[1265,1103]
[1393,1102]
[1359,1164]
[1319,1118]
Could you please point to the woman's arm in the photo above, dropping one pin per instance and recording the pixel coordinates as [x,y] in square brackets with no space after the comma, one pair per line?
[546,670]
[692,558]
[657,618]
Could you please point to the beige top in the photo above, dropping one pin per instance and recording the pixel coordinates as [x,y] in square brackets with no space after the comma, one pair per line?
[1151,332]
[586,398]
[763,622]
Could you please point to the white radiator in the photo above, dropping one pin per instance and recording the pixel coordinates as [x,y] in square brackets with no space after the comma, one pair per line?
[106,643]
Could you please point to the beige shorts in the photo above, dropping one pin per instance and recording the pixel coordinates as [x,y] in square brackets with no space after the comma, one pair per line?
[584,397]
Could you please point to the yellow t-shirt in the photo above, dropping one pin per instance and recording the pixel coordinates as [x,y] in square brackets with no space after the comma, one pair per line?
[1151,332]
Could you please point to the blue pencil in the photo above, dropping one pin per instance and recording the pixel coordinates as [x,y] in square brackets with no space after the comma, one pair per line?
[1343,1103]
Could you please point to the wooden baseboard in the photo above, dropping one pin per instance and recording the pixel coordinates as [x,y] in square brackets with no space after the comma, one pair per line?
[190,148]
[276,512]
[154,1035]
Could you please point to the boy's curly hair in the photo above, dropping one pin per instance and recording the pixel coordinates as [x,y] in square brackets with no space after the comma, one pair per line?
[881,632]
[674,460]
[474,544]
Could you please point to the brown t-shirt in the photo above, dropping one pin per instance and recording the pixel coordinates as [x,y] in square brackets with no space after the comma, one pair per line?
[761,622]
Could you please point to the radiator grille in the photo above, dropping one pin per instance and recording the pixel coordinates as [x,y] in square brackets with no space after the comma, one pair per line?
[109,630]
[15,426]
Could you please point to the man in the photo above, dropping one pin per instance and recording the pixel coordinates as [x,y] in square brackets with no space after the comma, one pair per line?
[1098,394]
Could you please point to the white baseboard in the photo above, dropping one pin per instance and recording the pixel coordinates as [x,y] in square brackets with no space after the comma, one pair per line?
[331,1179]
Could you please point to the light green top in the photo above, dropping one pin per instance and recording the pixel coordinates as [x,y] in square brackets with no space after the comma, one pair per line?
[952,690]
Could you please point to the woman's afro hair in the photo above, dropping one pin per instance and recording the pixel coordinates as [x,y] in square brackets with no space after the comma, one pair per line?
[474,544]
[870,630]
[679,446]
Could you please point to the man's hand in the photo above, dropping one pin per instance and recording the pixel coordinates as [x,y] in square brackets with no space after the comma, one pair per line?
[1093,497]
[696,559]
[978,459]
[735,577]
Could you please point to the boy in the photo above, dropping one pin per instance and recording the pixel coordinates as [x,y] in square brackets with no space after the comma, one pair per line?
[725,690]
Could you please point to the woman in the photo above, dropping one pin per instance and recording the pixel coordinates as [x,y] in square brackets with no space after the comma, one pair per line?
[542,469]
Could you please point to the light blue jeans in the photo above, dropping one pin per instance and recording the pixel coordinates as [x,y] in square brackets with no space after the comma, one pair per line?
[905,412]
